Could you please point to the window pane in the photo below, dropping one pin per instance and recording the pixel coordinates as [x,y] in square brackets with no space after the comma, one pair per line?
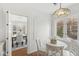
[72,28]
[60,28]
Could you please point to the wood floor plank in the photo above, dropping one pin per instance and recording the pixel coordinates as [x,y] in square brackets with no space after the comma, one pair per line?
[23,52]
[19,52]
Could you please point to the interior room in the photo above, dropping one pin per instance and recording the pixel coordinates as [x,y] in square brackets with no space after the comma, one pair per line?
[39,29]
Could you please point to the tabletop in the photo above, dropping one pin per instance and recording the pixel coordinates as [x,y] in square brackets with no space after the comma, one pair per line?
[59,43]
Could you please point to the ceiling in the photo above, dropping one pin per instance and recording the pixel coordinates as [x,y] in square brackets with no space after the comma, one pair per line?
[23,8]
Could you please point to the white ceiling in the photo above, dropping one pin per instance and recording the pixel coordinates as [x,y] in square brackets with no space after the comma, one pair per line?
[47,8]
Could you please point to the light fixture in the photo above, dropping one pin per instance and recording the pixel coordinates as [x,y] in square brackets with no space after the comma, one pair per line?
[62,11]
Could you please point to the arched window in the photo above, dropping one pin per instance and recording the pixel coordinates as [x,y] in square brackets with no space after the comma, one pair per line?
[72,28]
[60,28]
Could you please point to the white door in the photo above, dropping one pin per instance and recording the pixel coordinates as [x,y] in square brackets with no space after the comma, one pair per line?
[4,31]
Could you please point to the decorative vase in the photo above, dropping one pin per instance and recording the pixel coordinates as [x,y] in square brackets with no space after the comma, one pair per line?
[53,41]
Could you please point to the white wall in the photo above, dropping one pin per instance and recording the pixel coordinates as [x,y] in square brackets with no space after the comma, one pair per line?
[2,25]
[42,29]
[38,28]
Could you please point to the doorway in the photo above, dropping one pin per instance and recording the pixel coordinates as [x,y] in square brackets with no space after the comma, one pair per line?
[18,34]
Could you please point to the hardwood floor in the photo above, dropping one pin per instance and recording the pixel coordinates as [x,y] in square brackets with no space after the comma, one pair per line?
[23,52]
[20,52]
[38,53]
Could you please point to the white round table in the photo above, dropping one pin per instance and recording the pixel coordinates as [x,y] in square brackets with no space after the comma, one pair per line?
[59,43]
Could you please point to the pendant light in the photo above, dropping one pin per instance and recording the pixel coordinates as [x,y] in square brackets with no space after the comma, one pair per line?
[62,11]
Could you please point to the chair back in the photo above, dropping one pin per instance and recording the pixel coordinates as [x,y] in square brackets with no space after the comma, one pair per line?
[38,43]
